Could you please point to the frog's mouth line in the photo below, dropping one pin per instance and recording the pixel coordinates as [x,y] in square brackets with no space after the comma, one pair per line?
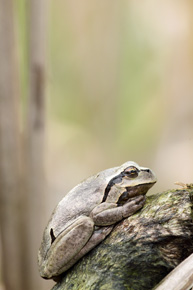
[132,191]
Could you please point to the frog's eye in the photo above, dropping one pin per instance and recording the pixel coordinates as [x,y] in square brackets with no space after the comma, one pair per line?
[131,172]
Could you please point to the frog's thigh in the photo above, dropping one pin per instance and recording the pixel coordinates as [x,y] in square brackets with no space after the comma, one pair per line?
[68,244]
[97,237]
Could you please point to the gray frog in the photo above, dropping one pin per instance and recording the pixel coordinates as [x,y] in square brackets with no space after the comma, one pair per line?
[87,214]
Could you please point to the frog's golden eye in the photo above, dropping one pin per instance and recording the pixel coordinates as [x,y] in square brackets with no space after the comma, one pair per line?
[131,172]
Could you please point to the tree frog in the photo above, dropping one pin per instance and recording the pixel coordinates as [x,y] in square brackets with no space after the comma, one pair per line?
[88,213]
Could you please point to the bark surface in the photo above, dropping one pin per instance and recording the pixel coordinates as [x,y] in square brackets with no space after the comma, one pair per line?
[141,250]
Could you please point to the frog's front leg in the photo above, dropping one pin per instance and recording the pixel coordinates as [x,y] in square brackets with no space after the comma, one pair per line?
[65,246]
[109,213]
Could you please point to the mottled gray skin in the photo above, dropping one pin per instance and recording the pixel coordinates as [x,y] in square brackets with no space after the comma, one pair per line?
[87,214]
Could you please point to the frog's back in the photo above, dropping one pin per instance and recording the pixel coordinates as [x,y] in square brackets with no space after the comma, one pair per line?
[79,201]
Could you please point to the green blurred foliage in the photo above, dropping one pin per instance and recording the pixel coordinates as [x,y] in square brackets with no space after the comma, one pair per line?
[120,114]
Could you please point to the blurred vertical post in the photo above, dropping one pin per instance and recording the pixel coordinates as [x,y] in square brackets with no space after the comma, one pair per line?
[35,132]
[10,169]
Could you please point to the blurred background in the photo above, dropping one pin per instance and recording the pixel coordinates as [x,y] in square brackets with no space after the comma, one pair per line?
[86,85]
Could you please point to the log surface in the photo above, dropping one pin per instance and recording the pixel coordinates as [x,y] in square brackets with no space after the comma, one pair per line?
[141,250]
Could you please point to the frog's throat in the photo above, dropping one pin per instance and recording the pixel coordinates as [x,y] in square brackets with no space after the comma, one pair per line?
[132,191]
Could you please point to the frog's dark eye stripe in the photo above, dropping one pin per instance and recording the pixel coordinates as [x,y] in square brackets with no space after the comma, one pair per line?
[113,181]
[131,172]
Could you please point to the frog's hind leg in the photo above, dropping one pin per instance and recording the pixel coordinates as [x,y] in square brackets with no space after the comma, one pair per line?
[65,246]
[98,236]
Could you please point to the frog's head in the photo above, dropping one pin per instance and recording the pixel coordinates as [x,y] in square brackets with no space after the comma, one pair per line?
[127,181]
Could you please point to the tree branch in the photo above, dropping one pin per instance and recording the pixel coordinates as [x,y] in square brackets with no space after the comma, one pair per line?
[181,278]
[141,250]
